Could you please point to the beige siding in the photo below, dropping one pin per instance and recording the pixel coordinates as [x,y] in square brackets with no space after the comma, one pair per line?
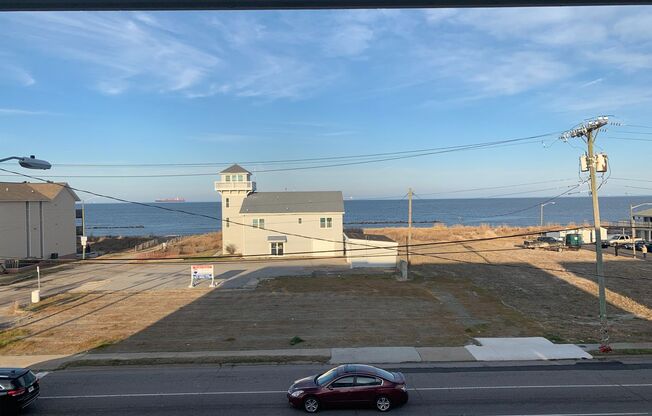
[288,226]
[370,253]
[38,229]
[59,225]
[13,234]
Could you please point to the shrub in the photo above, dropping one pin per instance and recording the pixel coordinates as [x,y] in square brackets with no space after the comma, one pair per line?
[231,248]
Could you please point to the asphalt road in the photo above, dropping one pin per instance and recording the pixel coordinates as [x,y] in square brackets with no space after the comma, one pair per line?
[586,388]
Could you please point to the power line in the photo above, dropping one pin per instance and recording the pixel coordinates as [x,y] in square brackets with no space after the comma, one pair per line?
[297,168]
[318,159]
[535,205]
[496,187]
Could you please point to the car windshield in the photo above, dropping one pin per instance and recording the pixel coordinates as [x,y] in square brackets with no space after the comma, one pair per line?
[327,377]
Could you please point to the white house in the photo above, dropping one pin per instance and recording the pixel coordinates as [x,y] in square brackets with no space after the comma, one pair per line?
[37,220]
[588,234]
[278,223]
[645,217]
[370,250]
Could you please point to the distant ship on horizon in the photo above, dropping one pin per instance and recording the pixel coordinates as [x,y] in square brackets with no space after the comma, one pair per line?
[176,199]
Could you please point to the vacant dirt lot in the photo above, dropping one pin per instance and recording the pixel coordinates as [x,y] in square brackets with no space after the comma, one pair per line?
[457,291]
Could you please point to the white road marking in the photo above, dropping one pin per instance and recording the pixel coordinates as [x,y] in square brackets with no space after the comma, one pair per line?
[42,374]
[226,393]
[580,414]
[192,393]
[553,386]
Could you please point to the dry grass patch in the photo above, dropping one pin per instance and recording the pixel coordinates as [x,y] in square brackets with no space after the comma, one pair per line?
[194,245]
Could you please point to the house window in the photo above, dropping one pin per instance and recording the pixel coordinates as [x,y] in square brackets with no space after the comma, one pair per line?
[326,222]
[299,220]
[240,179]
[277,249]
[227,178]
[259,223]
[227,202]
[227,223]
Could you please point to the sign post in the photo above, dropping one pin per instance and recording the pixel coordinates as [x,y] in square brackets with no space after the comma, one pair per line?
[84,240]
[201,272]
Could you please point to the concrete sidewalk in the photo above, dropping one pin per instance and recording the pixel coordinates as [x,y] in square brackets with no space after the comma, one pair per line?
[491,349]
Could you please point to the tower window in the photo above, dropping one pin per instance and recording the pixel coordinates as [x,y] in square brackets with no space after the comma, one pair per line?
[227,202]
[227,223]
[299,220]
[227,178]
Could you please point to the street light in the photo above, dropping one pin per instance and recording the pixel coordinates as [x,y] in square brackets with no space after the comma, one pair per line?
[543,205]
[29,162]
[633,224]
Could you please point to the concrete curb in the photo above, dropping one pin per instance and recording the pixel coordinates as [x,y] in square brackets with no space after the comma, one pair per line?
[370,355]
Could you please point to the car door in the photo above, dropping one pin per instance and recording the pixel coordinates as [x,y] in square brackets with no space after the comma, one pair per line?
[339,391]
[366,389]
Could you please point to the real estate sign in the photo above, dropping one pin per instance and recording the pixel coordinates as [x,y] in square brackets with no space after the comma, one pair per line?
[201,272]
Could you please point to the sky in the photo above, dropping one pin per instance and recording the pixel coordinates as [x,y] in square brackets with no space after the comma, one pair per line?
[138,88]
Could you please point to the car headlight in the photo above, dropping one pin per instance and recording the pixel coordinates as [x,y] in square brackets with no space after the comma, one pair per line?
[296,393]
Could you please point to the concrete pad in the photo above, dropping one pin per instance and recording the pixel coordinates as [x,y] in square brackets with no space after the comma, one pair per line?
[42,362]
[523,349]
[375,355]
[438,354]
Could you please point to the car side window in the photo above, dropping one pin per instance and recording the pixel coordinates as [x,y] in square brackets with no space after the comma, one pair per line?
[343,382]
[367,381]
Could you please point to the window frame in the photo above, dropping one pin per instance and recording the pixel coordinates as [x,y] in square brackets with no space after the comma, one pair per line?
[326,222]
[275,246]
[227,203]
[377,381]
[341,378]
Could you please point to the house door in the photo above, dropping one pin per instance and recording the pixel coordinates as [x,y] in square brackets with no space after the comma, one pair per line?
[277,249]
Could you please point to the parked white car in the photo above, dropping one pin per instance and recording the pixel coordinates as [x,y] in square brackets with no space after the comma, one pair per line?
[619,240]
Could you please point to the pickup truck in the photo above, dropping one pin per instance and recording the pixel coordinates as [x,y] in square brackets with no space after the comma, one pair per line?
[549,243]
[618,240]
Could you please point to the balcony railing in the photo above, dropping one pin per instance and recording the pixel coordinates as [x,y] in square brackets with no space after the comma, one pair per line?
[235,186]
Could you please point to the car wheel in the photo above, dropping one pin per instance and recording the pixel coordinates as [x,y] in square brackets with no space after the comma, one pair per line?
[383,404]
[311,405]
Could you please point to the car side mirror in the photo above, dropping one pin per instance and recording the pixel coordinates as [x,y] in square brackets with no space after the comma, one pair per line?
[330,387]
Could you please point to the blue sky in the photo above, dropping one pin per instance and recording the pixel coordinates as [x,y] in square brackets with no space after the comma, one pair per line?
[192,87]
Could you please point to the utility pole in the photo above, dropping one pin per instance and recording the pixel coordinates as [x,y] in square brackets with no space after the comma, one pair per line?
[587,130]
[633,236]
[83,237]
[543,205]
[409,238]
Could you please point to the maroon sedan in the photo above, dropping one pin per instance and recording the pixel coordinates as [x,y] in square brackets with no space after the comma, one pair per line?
[351,384]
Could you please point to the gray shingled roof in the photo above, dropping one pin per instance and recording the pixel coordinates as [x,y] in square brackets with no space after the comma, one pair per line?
[370,237]
[284,202]
[25,191]
[235,169]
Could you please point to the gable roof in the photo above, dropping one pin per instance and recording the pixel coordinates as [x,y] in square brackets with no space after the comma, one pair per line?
[235,168]
[292,202]
[644,213]
[33,192]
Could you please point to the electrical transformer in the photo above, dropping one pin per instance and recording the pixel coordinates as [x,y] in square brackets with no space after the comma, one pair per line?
[584,164]
[601,162]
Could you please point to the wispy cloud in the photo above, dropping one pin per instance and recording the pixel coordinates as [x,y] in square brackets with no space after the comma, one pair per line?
[126,51]
[20,112]
[14,73]
[222,138]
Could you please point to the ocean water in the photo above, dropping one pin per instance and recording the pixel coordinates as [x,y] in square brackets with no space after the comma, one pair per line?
[102,219]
